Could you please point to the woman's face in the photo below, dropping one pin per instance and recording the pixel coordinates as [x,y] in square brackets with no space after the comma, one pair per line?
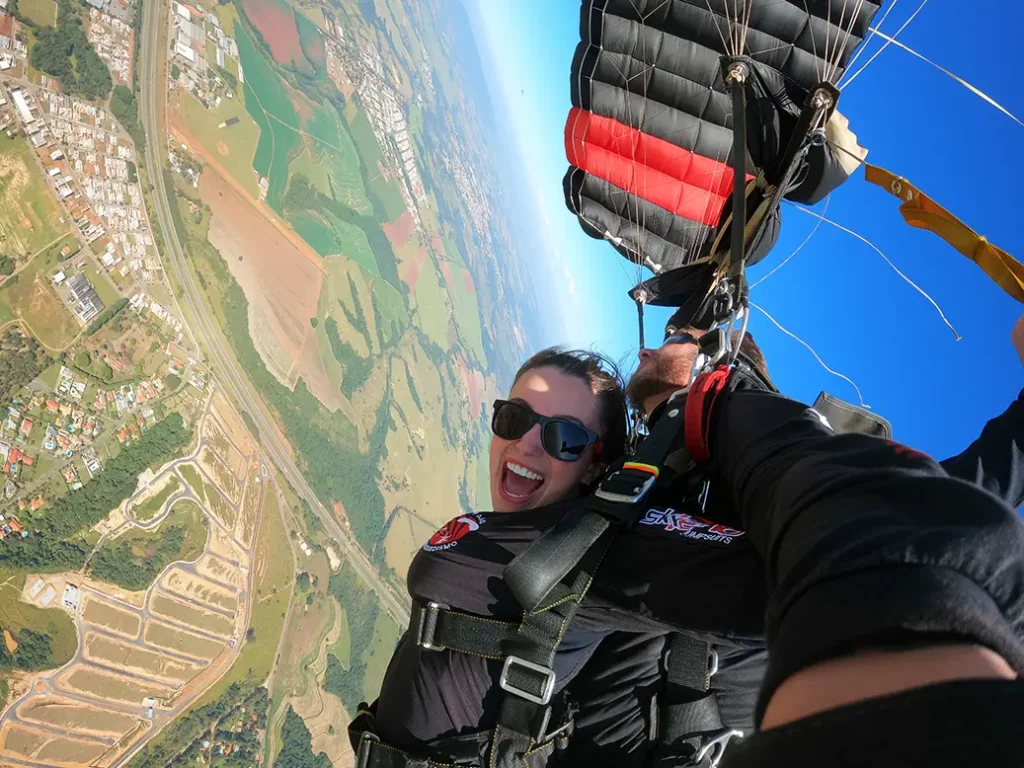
[549,392]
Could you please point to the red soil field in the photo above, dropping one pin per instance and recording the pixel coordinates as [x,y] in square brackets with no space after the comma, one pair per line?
[275,21]
[400,230]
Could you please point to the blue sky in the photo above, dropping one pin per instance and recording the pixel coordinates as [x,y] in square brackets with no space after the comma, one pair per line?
[837,293]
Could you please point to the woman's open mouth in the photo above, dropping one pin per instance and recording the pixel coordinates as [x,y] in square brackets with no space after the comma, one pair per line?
[518,482]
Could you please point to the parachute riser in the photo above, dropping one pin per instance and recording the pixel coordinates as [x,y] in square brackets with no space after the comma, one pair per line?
[821,103]
[736,73]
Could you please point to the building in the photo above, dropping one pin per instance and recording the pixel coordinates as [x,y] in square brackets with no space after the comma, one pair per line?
[70,599]
[86,303]
[21,104]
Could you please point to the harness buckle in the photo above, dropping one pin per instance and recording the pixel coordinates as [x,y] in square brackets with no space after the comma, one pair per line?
[640,487]
[366,741]
[516,665]
[429,615]
[714,747]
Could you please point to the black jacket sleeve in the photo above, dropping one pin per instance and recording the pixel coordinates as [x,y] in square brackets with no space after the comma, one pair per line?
[941,726]
[864,541]
[995,461]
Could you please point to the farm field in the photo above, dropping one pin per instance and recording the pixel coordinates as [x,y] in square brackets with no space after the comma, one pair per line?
[172,639]
[29,214]
[104,685]
[42,12]
[68,714]
[30,296]
[123,655]
[181,582]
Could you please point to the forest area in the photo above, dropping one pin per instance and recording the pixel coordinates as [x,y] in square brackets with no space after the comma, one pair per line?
[64,52]
[21,360]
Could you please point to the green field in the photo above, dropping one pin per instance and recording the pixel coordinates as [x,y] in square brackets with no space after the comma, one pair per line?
[467,312]
[29,213]
[267,100]
[31,297]
[386,192]
[312,42]
[239,139]
[342,647]
[378,654]
[430,305]
[104,288]
[152,506]
[52,622]
[42,12]
[330,236]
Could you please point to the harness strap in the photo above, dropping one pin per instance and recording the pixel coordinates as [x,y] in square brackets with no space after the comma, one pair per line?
[435,626]
[699,405]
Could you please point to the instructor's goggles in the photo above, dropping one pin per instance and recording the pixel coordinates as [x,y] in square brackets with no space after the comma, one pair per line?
[561,438]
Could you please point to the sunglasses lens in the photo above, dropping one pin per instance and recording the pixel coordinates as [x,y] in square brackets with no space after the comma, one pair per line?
[564,440]
[512,421]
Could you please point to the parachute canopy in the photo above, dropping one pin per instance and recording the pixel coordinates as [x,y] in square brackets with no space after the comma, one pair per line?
[650,134]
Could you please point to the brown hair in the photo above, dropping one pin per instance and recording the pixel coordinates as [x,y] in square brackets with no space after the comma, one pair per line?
[604,380]
[751,351]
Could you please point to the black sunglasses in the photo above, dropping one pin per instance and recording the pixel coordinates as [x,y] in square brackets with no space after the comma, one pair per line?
[561,438]
[680,338]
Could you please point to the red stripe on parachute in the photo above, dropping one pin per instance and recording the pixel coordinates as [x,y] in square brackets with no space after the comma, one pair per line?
[687,184]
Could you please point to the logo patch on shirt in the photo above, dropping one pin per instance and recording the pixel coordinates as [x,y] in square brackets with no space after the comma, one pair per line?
[690,526]
[448,536]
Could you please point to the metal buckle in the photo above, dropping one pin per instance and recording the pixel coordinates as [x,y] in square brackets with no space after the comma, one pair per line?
[432,608]
[547,687]
[366,738]
[627,498]
[715,747]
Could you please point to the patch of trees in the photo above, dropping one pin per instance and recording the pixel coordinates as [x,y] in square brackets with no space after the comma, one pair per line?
[64,52]
[35,651]
[172,381]
[361,608]
[357,369]
[51,548]
[6,265]
[188,730]
[297,745]
[21,360]
[135,568]
[126,110]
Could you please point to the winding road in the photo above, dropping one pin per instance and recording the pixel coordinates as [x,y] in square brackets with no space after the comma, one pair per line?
[207,332]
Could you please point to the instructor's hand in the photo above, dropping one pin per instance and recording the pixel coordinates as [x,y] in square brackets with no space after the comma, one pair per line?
[1017,336]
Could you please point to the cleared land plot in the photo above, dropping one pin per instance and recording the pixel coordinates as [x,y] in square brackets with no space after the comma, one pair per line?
[220,473]
[233,146]
[219,570]
[29,214]
[276,22]
[115,653]
[166,636]
[189,585]
[224,545]
[161,605]
[64,713]
[214,434]
[149,506]
[431,305]
[42,746]
[114,619]
[42,12]
[250,515]
[104,288]
[105,685]
[462,293]
[229,420]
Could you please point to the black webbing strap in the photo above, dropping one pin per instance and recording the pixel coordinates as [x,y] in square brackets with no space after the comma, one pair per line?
[435,626]
[690,729]
[536,571]
[528,677]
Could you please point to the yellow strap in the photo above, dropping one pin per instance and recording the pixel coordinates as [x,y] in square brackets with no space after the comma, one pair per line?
[922,212]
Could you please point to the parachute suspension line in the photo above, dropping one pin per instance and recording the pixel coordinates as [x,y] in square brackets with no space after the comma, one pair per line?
[717,18]
[833,66]
[860,160]
[888,261]
[872,31]
[888,42]
[736,78]
[817,226]
[817,357]
[976,91]
[814,45]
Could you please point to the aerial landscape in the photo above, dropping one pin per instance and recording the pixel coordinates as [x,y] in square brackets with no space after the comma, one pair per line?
[257,288]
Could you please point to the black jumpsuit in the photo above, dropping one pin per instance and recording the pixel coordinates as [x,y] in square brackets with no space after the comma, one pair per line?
[684,567]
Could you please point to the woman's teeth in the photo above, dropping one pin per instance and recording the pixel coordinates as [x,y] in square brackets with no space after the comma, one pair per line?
[522,471]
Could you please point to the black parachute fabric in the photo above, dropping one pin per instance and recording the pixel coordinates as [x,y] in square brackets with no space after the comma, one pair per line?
[649,137]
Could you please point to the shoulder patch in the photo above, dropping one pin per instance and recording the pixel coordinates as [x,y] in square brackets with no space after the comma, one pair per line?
[448,535]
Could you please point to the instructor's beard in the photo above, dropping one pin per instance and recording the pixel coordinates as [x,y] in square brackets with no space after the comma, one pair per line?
[662,374]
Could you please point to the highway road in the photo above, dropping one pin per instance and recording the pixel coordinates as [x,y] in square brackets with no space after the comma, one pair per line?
[205,329]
